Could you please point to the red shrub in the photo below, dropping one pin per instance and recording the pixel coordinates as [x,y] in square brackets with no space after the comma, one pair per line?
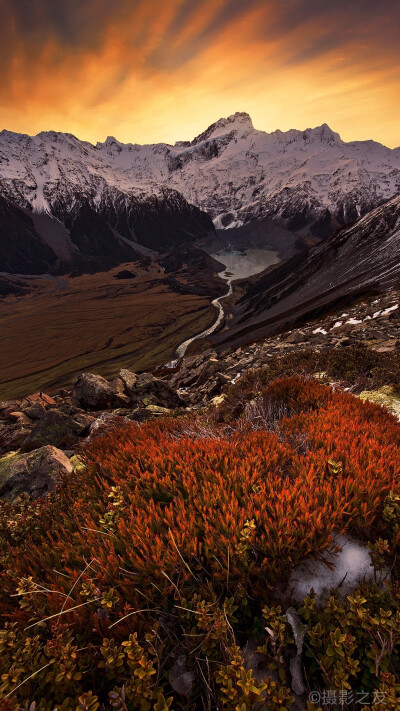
[155,518]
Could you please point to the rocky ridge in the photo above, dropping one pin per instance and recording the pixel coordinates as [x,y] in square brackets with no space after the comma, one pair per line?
[373,322]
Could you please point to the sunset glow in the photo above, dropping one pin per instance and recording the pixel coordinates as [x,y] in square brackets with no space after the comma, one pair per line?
[157,70]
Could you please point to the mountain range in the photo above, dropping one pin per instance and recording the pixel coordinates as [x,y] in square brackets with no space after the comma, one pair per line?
[66,204]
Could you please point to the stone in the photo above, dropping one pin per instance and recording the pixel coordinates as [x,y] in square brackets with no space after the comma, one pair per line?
[344,329]
[375,335]
[180,679]
[141,414]
[19,417]
[212,388]
[209,368]
[295,663]
[104,421]
[149,390]
[12,436]
[35,411]
[41,398]
[8,406]
[386,348]
[296,337]
[35,473]
[83,421]
[93,392]
[194,368]
[318,337]
[128,379]
[223,378]
[54,428]
[346,341]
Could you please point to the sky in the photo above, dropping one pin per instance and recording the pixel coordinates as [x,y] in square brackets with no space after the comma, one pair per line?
[147,71]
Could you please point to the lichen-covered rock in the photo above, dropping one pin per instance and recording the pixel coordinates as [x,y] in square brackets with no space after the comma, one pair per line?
[35,473]
[385,396]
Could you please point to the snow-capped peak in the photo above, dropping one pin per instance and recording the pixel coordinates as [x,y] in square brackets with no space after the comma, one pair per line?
[240,121]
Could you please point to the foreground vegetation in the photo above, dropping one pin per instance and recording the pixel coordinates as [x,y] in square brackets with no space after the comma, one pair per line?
[143,582]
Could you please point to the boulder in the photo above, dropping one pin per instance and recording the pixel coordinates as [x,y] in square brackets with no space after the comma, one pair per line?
[149,390]
[12,436]
[375,334]
[34,411]
[54,428]
[296,337]
[20,417]
[128,379]
[35,473]
[93,392]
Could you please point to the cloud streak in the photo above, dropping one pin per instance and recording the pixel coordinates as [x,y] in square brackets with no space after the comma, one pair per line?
[149,70]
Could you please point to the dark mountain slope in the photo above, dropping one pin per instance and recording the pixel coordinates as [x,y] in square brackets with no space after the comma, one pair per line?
[22,250]
[361,258]
[84,236]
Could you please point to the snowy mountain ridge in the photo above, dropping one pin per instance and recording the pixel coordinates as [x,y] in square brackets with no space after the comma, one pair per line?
[309,181]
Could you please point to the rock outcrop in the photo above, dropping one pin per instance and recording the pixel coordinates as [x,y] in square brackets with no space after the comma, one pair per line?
[35,473]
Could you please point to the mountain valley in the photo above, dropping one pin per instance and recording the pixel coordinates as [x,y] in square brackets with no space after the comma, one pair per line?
[72,213]
[199,426]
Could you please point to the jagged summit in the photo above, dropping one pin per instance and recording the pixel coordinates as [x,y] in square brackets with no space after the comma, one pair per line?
[238,121]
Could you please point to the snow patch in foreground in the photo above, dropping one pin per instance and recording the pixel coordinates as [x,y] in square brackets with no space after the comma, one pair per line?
[350,567]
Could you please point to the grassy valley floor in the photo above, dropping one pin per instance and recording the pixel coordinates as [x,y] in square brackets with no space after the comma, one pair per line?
[95,322]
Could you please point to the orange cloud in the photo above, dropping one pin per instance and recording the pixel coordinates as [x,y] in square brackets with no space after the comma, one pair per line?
[152,70]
